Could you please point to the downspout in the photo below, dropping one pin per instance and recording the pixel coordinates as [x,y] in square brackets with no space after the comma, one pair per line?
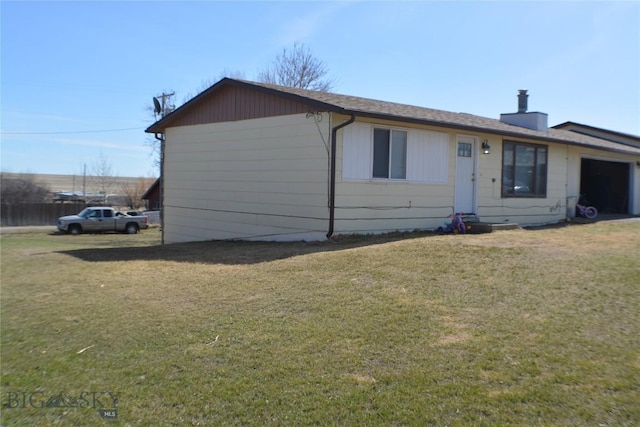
[332,173]
[161,138]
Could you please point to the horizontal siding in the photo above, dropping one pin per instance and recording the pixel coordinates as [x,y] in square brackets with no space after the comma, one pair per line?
[524,211]
[250,202]
[230,225]
[378,226]
[265,178]
[373,206]
[258,187]
[223,158]
[254,179]
[576,155]
[348,190]
[222,163]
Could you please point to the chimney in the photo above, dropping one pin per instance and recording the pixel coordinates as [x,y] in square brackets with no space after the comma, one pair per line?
[522,100]
[533,120]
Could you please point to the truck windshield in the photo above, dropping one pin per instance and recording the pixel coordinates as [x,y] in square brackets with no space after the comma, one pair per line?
[84,213]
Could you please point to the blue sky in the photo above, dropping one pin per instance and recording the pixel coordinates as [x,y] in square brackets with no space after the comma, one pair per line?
[77,77]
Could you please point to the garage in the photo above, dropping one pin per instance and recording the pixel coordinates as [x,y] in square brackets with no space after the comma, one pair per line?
[605,185]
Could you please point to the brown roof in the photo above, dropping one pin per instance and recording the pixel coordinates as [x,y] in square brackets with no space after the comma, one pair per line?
[610,135]
[151,189]
[364,107]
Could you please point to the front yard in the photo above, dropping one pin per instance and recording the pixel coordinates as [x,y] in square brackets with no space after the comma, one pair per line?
[509,328]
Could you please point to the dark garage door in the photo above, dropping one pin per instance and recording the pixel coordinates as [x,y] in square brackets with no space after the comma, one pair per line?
[605,185]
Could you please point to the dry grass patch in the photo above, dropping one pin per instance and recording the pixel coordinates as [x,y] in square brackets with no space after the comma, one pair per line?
[510,328]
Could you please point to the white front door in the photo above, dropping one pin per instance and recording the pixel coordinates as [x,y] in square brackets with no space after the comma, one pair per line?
[465,190]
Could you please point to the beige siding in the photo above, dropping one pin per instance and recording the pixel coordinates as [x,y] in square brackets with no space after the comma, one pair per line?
[356,151]
[378,206]
[364,205]
[268,178]
[492,207]
[563,185]
[426,157]
[260,179]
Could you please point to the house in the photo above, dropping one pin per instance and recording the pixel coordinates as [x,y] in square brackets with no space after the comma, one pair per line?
[246,160]
[622,138]
[152,196]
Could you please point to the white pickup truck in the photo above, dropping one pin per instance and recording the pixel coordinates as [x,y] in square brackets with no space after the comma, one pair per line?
[95,219]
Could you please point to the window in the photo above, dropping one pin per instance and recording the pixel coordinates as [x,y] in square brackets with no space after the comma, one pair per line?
[524,170]
[465,149]
[389,154]
[425,154]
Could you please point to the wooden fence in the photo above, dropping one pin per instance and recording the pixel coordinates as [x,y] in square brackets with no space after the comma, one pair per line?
[22,214]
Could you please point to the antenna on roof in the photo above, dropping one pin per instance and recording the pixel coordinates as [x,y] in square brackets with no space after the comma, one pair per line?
[163,108]
[157,108]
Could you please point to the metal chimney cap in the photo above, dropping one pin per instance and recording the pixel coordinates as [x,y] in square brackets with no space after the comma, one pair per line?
[522,101]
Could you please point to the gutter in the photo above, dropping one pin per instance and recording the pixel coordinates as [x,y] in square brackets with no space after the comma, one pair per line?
[332,173]
[161,138]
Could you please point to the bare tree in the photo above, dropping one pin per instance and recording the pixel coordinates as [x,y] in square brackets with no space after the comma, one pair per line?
[154,143]
[103,176]
[207,83]
[158,108]
[295,67]
[298,68]
[24,189]
[133,191]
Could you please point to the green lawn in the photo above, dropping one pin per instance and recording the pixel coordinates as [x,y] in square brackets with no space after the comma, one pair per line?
[515,327]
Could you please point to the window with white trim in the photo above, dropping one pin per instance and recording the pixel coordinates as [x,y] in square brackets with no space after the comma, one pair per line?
[411,155]
[389,153]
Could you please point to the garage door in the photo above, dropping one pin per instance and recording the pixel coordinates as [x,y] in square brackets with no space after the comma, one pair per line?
[605,184]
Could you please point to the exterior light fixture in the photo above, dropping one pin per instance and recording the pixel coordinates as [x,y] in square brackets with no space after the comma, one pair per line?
[486,148]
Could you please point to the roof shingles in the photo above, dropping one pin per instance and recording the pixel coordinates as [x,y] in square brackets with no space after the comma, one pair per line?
[347,104]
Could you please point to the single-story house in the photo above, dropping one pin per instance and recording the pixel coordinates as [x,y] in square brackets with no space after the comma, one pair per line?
[254,161]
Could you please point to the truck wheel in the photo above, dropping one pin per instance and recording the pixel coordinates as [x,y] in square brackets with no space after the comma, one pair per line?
[131,228]
[75,229]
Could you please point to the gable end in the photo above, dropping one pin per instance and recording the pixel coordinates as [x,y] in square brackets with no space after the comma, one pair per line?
[233,103]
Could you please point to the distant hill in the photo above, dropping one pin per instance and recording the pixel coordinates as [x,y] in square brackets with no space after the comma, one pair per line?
[76,183]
